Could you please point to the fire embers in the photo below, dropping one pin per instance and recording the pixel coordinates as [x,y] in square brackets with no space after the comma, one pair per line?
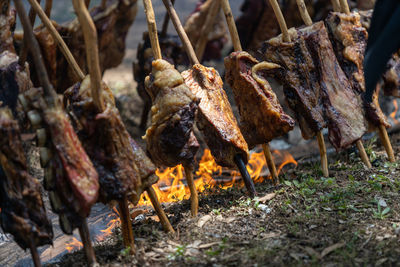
[170,139]
[70,176]
[22,210]
[108,144]
[215,118]
[261,116]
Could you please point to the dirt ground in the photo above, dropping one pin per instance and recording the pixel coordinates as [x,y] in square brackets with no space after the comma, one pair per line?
[350,218]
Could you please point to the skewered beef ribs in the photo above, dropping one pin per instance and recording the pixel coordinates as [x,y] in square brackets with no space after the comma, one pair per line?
[215,118]
[342,106]
[261,116]
[112,24]
[172,51]
[300,83]
[22,209]
[349,40]
[217,37]
[108,144]
[170,139]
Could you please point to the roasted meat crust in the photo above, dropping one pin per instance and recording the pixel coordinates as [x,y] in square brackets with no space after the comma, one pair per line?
[112,24]
[170,139]
[7,23]
[108,144]
[349,40]
[261,115]
[342,106]
[215,118]
[300,84]
[22,209]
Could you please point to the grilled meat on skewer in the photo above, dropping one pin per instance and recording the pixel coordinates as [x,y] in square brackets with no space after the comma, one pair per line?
[215,118]
[349,41]
[170,139]
[112,25]
[172,51]
[261,116]
[117,156]
[22,209]
[216,38]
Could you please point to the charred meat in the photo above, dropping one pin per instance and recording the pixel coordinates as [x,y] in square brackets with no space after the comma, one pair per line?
[170,139]
[261,115]
[22,209]
[215,118]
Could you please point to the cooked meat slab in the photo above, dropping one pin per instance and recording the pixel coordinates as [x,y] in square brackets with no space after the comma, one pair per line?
[170,139]
[215,118]
[342,106]
[107,143]
[261,115]
[299,79]
[22,209]
[349,40]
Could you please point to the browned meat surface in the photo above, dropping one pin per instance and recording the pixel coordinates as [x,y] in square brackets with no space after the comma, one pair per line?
[349,40]
[172,51]
[107,143]
[365,4]
[342,106]
[215,118]
[170,139]
[299,79]
[261,115]
[112,25]
[391,78]
[22,209]
[7,22]
[216,38]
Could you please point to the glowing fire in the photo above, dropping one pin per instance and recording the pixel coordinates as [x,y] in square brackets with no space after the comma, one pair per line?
[74,245]
[110,225]
[170,187]
[393,114]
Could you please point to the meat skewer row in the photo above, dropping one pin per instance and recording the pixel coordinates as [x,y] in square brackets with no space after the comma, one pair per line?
[262,117]
[82,101]
[215,118]
[350,50]
[170,139]
[23,213]
[308,22]
[82,178]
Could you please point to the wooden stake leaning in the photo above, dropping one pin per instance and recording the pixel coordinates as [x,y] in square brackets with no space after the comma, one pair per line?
[47,7]
[155,46]
[75,67]
[308,22]
[87,243]
[286,38]
[335,5]
[23,54]
[238,47]
[383,135]
[344,6]
[35,254]
[193,60]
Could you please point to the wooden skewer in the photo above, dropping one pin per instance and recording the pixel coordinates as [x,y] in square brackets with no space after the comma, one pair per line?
[281,20]
[57,37]
[155,46]
[363,154]
[193,59]
[87,3]
[126,225]
[87,243]
[164,28]
[383,135]
[335,5]
[207,27]
[344,6]
[23,54]
[35,254]
[238,47]
[322,153]
[160,212]
[47,7]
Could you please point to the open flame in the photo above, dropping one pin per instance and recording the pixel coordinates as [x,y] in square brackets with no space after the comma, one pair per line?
[393,114]
[171,186]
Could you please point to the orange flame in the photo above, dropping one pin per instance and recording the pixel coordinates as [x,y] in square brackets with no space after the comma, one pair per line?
[170,186]
[110,225]
[393,114]
[74,245]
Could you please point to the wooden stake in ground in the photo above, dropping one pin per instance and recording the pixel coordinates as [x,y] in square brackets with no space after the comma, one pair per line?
[155,46]
[383,135]
[286,38]
[35,254]
[307,20]
[193,60]
[87,243]
[75,67]
[160,212]
[238,47]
